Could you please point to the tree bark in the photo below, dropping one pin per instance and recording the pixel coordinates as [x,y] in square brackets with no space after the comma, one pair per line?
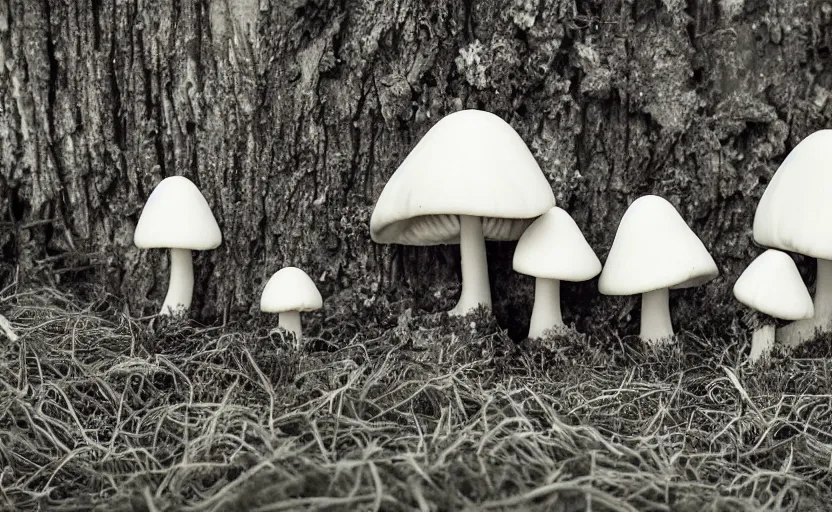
[291,115]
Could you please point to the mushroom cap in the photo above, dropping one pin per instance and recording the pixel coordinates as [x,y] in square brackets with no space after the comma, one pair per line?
[795,211]
[176,216]
[772,285]
[469,163]
[290,289]
[654,248]
[553,247]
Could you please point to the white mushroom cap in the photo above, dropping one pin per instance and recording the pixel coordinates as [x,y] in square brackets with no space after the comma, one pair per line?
[795,211]
[654,248]
[772,285]
[290,289]
[553,247]
[176,216]
[469,163]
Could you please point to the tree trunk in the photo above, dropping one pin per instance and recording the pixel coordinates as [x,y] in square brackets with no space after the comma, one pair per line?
[291,115]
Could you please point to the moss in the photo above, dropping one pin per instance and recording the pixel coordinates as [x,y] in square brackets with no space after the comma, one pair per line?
[412,410]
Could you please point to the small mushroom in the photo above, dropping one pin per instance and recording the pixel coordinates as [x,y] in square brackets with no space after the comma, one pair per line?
[654,250]
[470,178]
[177,217]
[290,291]
[553,249]
[794,215]
[772,286]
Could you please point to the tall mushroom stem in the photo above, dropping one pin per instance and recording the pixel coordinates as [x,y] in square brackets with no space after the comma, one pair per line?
[795,333]
[546,312]
[181,287]
[762,341]
[476,288]
[290,320]
[655,316]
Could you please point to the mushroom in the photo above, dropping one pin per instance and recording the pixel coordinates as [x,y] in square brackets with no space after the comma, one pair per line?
[290,291]
[772,286]
[553,249]
[794,215]
[655,250]
[470,178]
[177,217]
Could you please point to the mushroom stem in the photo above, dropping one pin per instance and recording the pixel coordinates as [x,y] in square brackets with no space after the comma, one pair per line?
[546,312]
[181,287]
[762,342]
[823,294]
[655,316]
[476,289]
[795,333]
[290,320]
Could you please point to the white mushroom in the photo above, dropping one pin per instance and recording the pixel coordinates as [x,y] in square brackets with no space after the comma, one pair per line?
[470,178]
[177,217]
[795,214]
[772,286]
[655,250]
[290,291]
[553,249]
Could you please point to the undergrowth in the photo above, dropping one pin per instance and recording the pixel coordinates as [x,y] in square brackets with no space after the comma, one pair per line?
[410,411]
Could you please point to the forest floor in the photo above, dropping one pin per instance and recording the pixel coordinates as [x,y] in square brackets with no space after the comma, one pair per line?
[101,411]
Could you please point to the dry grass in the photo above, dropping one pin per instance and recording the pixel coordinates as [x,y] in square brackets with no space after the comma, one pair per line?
[106,412]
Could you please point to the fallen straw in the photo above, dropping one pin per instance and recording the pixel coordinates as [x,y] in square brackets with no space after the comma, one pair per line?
[7,328]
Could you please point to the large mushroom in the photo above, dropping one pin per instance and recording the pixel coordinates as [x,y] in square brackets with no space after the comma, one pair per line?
[772,286]
[795,214]
[654,250]
[177,217]
[470,178]
[553,249]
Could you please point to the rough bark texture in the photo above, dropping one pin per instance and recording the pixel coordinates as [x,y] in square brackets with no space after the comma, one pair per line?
[290,115]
